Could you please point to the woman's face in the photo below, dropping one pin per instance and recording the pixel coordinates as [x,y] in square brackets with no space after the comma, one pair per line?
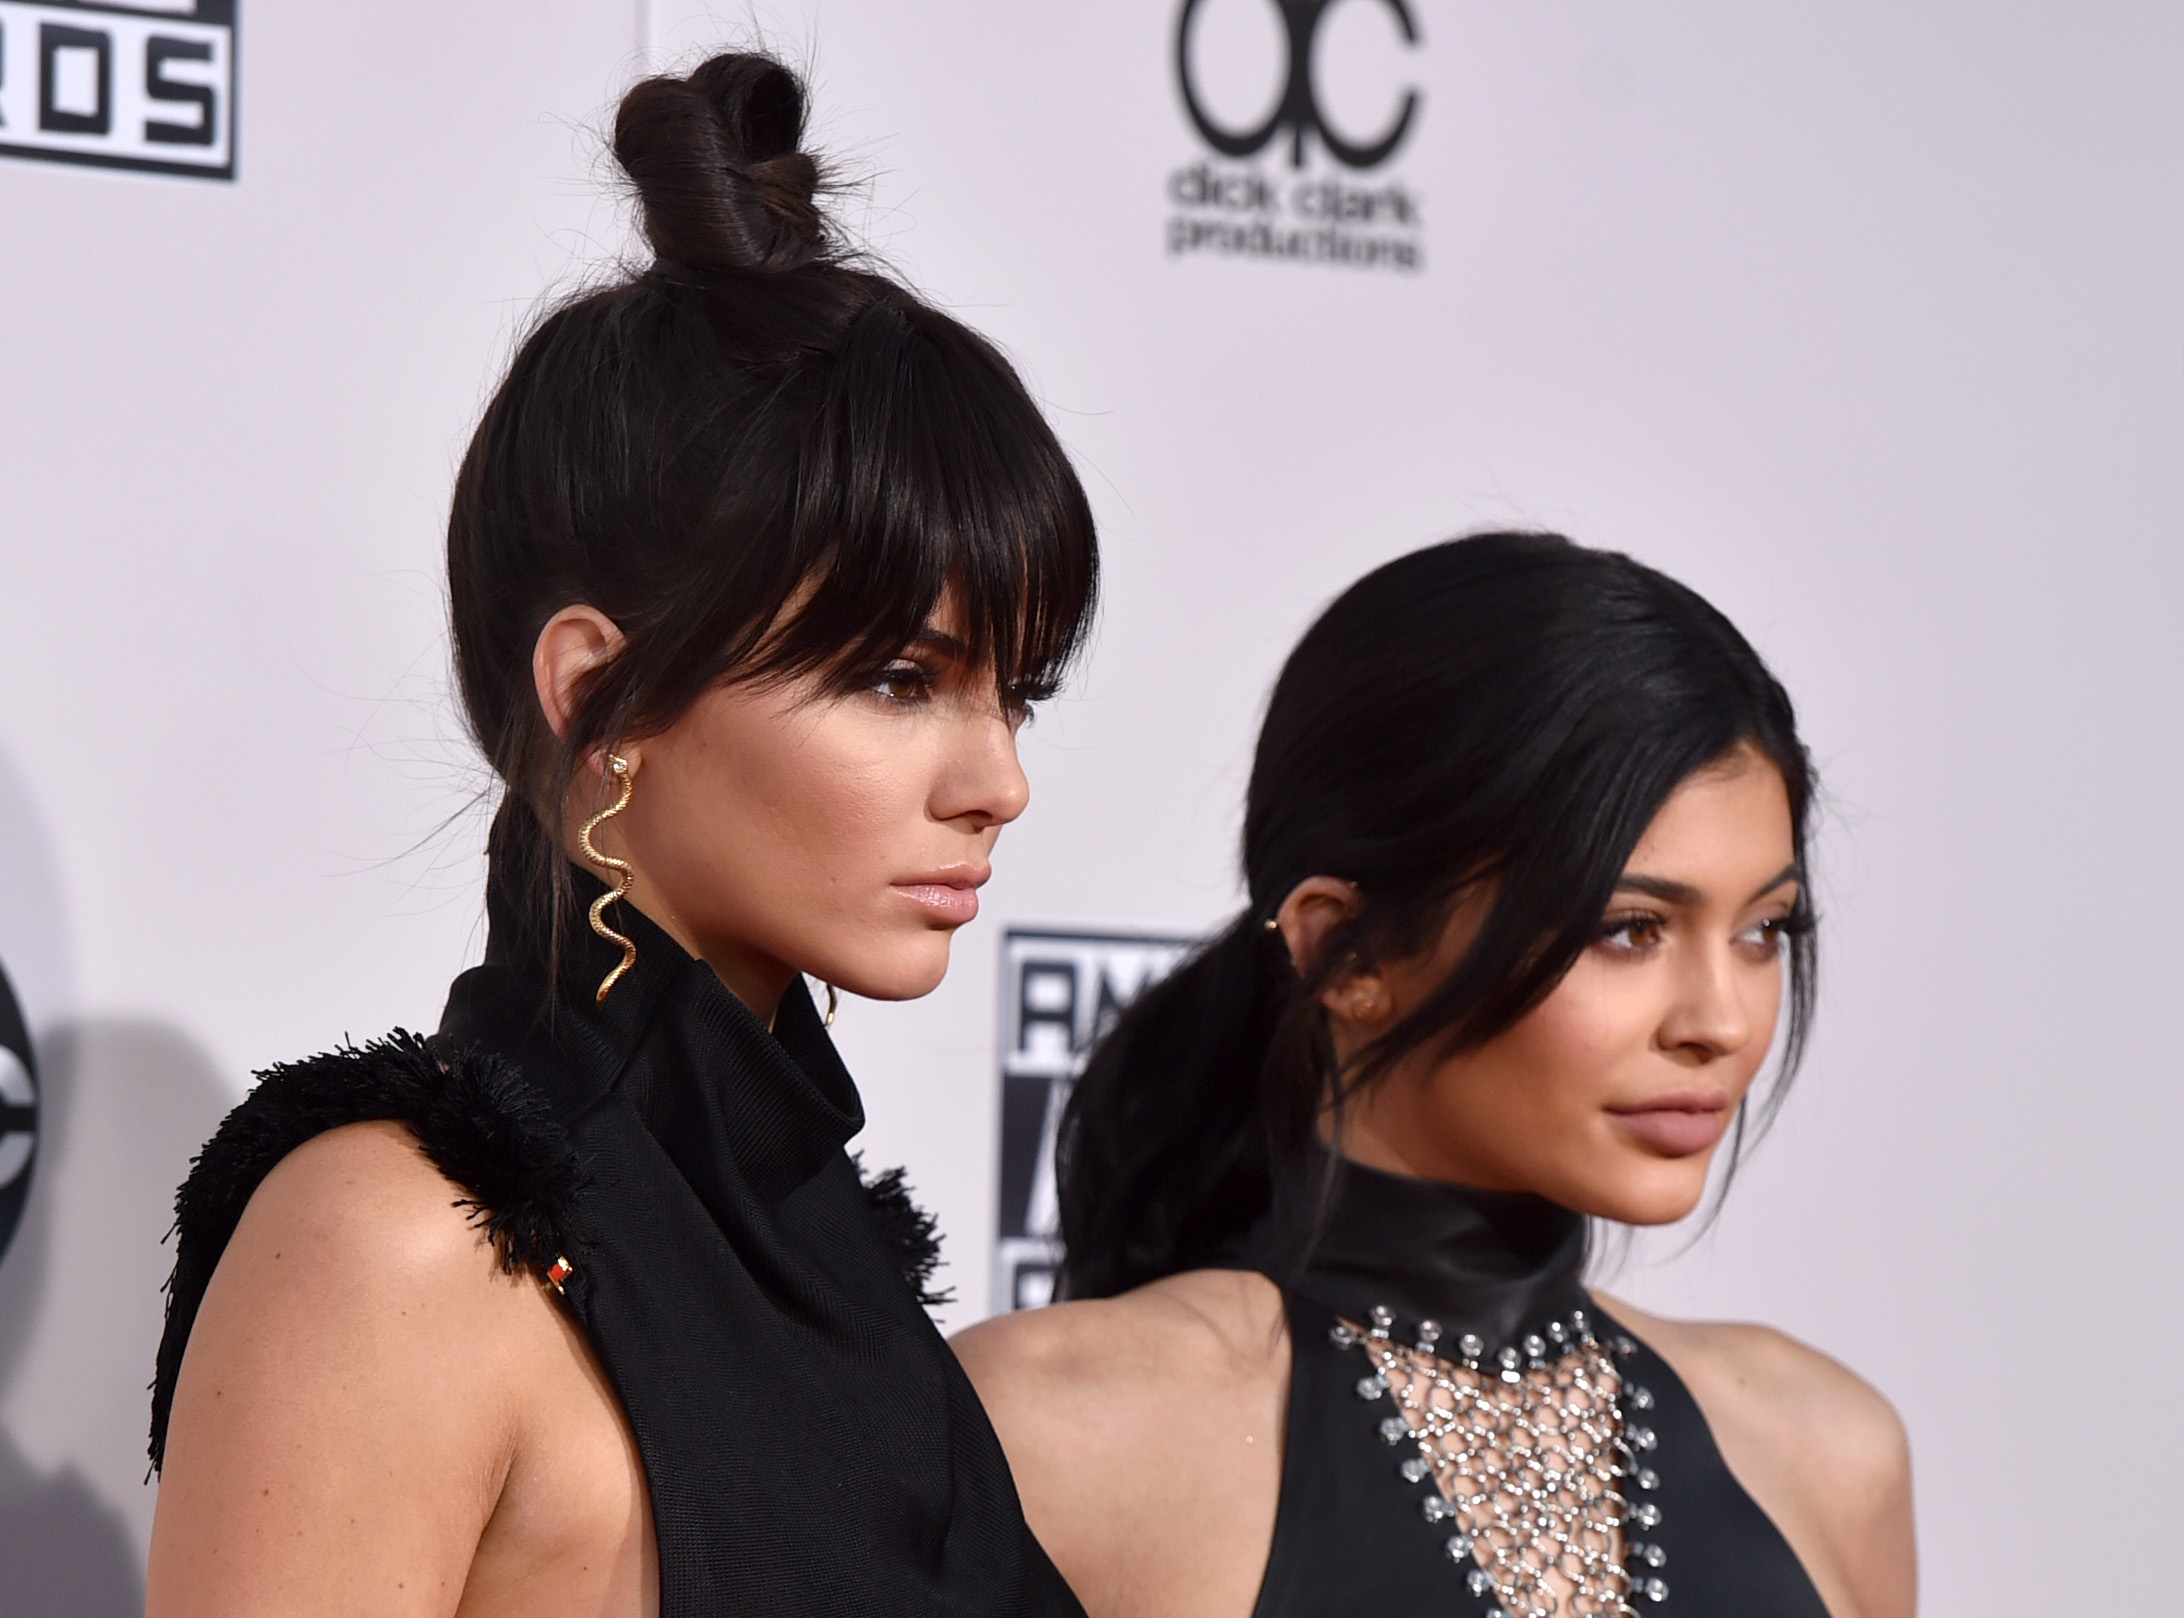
[784,829]
[1612,1096]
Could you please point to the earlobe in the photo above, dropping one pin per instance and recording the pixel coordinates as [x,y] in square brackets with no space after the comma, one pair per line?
[1361,999]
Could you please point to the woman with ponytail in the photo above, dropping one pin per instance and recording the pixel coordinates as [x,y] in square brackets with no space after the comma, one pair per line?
[577,1305]
[1526,854]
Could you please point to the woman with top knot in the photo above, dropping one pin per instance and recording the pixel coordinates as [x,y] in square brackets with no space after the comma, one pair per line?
[577,1306]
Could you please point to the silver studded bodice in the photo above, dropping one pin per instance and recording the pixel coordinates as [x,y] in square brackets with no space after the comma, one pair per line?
[1468,1428]
[1530,1461]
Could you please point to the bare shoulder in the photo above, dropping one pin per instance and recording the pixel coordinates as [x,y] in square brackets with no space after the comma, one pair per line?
[1144,1433]
[1171,1333]
[359,1224]
[354,1359]
[370,1190]
[1774,1383]
[1819,1447]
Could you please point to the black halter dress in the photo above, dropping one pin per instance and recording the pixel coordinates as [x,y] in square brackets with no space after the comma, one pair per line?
[676,1171]
[1492,1279]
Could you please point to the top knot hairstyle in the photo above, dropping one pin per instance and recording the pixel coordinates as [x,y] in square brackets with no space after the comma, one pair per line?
[760,457]
[720,172]
[1501,715]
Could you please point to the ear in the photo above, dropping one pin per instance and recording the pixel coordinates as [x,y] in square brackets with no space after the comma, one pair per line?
[575,641]
[1314,909]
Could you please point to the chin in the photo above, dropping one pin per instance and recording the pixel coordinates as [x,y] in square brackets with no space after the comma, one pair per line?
[909,972]
[1654,1192]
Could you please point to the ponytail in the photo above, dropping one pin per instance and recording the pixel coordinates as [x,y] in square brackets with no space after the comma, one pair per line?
[1167,1148]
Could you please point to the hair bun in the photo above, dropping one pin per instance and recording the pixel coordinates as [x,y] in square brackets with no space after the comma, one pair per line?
[717,161]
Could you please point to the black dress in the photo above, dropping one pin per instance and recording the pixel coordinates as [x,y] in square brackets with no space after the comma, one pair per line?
[1491,1279]
[810,1443]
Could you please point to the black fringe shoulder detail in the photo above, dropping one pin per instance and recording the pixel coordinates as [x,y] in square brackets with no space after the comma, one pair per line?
[913,1233]
[480,1123]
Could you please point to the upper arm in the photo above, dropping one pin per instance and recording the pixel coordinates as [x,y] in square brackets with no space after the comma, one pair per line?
[341,1426]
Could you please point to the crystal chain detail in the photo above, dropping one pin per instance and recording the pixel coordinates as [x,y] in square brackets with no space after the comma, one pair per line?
[1527,1453]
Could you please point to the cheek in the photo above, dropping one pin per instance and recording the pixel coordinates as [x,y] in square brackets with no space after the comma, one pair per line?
[819,788]
[1598,1019]
[796,797]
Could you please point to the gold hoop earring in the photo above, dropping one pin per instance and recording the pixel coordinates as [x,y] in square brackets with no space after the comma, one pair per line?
[834,1004]
[623,876]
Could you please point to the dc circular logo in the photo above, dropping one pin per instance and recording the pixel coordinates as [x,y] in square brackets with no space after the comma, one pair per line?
[1297,114]
[18,1113]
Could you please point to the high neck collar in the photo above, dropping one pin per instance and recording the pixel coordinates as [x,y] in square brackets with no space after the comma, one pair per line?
[705,1074]
[1497,1264]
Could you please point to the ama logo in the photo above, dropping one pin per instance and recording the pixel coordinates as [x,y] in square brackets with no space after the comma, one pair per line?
[120,84]
[18,1114]
[1060,991]
[1292,74]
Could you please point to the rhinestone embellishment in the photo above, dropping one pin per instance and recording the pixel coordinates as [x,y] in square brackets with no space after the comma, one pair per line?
[1524,1452]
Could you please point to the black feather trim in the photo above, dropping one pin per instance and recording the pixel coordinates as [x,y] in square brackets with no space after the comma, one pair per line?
[913,1233]
[476,1118]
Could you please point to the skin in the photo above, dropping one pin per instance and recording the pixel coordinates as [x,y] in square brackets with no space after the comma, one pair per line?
[1145,1430]
[371,1418]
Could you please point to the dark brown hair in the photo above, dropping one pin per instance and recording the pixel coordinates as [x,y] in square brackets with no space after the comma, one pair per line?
[762,457]
[1500,715]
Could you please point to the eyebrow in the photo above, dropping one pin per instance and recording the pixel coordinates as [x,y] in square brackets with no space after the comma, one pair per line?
[1683,893]
[947,645]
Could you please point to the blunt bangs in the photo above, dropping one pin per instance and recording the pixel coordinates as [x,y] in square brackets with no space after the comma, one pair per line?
[927,473]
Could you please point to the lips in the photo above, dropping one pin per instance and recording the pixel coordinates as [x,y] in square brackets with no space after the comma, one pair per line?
[1677,1125]
[949,897]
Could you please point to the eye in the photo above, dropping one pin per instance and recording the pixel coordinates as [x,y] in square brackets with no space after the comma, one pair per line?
[1021,702]
[905,683]
[1766,937]
[1632,932]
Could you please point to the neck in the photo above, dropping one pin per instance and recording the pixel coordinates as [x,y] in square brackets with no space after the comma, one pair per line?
[751,975]
[1353,1237]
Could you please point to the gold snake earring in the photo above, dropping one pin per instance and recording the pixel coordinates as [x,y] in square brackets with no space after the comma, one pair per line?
[623,876]
[834,1004]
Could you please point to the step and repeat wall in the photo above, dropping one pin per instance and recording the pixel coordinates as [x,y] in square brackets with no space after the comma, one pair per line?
[1861,318]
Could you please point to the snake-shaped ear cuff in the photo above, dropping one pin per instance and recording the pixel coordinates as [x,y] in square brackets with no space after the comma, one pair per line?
[623,875]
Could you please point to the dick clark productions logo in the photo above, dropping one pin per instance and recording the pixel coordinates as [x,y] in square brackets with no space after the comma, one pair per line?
[1336,212]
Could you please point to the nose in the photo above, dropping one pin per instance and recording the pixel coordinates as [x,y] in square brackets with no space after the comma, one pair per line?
[985,786]
[1715,1013]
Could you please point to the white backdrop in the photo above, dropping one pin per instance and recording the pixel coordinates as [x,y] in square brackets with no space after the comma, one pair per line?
[1861,318]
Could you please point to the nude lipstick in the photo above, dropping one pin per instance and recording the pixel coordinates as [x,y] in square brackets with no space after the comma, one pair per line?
[949,896]
[1679,1124]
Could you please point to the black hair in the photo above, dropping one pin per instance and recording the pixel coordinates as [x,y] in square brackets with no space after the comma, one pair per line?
[762,457]
[1499,716]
